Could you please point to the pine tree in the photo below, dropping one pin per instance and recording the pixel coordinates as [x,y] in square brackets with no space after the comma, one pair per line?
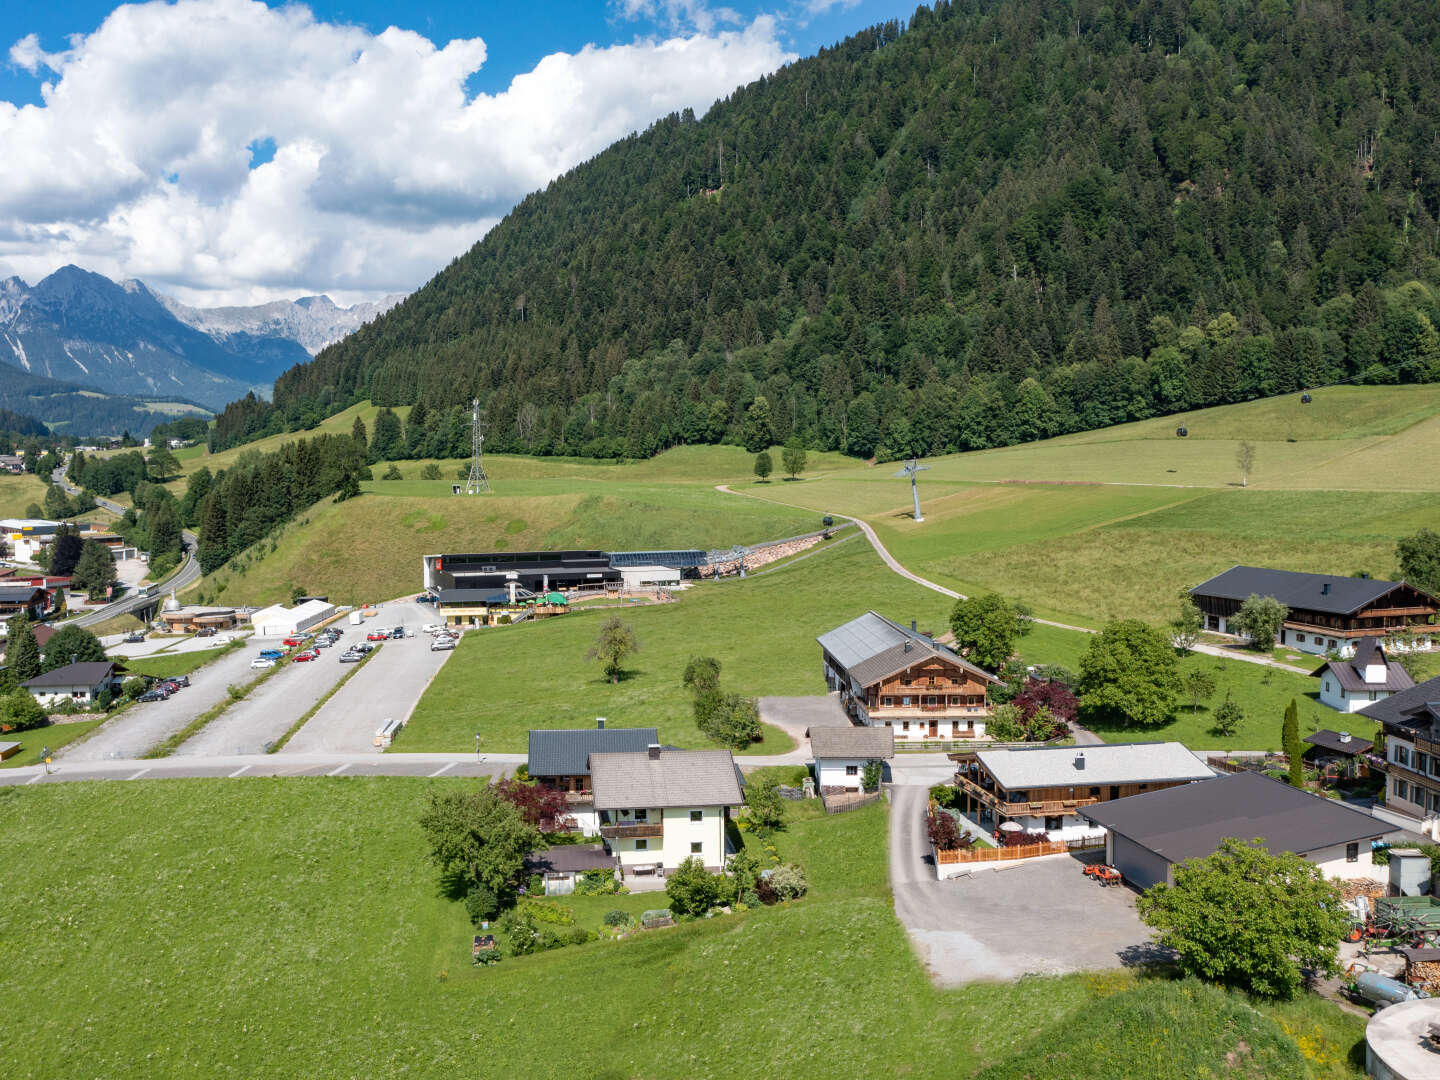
[1290,743]
[357,432]
[95,570]
[22,654]
[214,537]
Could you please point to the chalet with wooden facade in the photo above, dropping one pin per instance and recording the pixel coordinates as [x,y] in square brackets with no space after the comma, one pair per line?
[1327,613]
[1367,677]
[1411,723]
[560,757]
[1042,790]
[888,675]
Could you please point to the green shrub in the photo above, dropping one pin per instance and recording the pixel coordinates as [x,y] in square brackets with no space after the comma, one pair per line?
[535,885]
[945,795]
[548,911]
[133,687]
[691,888]
[597,883]
[617,918]
[788,881]
[481,904]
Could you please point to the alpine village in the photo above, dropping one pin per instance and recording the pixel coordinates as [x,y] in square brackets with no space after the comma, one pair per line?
[919,558]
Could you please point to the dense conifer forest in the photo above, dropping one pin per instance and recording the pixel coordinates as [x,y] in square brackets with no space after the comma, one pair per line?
[1003,220]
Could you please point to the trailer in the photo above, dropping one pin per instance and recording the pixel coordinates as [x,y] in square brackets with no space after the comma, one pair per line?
[356,617]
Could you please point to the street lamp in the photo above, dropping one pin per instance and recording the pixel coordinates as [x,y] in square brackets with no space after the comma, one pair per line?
[477,746]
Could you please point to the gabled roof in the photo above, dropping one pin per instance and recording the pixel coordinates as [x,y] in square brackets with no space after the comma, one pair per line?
[1184,822]
[673,778]
[19,594]
[1410,708]
[570,859]
[1340,742]
[566,751]
[1115,763]
[852,742]
[1310,592]
[871,648]
[1350,674]
[88,673]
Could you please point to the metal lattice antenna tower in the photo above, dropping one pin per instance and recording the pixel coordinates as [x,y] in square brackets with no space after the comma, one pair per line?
[477,481]
[912,467]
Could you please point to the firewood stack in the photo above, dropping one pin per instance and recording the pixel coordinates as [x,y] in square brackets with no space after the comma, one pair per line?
[1350,890]
[1423,975]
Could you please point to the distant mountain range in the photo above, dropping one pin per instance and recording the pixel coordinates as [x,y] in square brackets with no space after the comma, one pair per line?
[83,329]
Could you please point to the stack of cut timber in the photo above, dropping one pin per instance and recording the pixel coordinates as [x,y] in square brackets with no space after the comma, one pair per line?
[1422,969]
[1350,890]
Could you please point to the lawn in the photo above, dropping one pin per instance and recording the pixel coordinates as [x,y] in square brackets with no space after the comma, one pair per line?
[52,736]
[17,493]
[504,681]
[168,665]
[1263,693]
[292,927]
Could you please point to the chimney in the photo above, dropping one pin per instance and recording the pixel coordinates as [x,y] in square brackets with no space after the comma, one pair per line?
[599,723]
[653,750]
[907,644]
[913,627]
[1325,589]
[1080,760]
[1344,736]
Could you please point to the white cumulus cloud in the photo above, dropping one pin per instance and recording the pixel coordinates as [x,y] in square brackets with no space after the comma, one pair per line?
[147,155]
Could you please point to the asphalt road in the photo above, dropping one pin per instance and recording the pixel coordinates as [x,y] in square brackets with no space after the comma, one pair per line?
[270,710]
[389,685]
[239,767]
[147,723]
[185,576]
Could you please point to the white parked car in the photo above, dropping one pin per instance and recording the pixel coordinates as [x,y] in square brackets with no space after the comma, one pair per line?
[432,628]
[262,662]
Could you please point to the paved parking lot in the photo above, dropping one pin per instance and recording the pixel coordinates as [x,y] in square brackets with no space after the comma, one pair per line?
[145,724]
[388,686]
[1042,917]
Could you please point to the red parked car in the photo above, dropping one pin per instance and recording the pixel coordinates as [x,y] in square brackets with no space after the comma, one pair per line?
[291,642]
[376,635]
[308,654]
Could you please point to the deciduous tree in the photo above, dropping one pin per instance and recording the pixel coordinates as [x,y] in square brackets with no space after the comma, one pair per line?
[1199,685]
[764,808]
[478,838]
[1419,559]
[794,456]
[1229,715]
[691,889]
[987,627]
[541,805]
[763,465]
[72,643]
[1185,628]
[1245,918]
[615,642]
[1128,675]
[1260,618]
[1245,458]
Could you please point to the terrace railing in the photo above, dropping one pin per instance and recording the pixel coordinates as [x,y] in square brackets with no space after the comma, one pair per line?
[626,832]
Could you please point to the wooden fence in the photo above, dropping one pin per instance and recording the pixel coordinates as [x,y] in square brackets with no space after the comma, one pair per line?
[1002,854]
[840,802]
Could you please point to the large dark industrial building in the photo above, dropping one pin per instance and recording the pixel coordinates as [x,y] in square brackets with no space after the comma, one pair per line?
[537,571]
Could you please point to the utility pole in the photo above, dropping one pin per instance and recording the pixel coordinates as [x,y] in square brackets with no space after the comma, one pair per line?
[912,467]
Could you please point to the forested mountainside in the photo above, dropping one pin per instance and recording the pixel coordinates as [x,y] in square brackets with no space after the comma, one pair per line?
[1008,219]
[72,409]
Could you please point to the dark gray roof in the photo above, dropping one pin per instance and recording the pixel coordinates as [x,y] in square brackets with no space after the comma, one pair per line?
[1185,822]
[695,778]
[1331,740]
[1350,674]
[1346,595]
[570,859]
[566,751]
[89,673]
[852,742]
[18,594]
[872,647]
[1408,705]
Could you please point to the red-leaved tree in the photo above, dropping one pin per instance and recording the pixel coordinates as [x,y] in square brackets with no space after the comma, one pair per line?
[539,804]
[944,833]
[1049,694]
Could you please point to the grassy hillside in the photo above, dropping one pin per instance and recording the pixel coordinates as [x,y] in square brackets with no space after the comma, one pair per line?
[18,492]
[292,927]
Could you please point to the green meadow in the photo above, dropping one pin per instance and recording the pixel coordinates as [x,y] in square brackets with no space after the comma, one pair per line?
[292,927]
[503,681]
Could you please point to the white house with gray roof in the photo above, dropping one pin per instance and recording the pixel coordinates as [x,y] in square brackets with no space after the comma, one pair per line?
[888,675]
[1367,677]
[663,806]
[842,753]
[560,757]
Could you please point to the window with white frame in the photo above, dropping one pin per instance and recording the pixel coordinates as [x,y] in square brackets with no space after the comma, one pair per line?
[642,845]
[1402,789]
[695,847]
[852,770]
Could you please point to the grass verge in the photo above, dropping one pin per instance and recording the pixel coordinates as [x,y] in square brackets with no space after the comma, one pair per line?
[169,665]
[54,736]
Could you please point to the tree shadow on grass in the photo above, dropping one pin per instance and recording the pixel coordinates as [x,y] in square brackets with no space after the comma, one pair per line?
[1150,959]
[625,675]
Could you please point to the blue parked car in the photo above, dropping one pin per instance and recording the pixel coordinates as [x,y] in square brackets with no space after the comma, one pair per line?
[271,654]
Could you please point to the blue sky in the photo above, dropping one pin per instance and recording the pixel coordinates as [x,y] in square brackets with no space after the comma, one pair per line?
[517,35]
[231,152]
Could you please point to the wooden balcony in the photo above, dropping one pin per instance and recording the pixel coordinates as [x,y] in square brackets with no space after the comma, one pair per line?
[1045,808]
[631,832]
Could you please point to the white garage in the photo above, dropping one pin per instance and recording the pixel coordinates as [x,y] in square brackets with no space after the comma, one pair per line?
[280,621]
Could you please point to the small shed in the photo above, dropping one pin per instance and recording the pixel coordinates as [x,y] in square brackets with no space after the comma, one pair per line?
[561,866]
[841,754]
